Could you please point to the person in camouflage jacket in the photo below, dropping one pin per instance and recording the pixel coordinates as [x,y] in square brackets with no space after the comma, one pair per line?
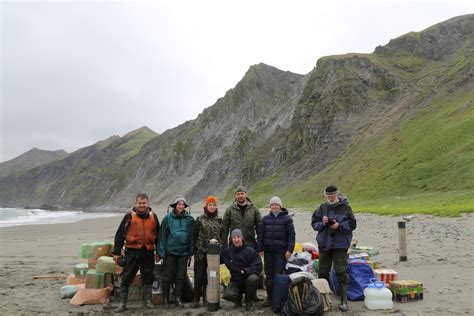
[207,226]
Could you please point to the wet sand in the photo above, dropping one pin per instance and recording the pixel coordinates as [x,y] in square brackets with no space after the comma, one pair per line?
[439,255]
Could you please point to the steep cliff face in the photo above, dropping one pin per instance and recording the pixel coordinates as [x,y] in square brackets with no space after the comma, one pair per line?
[207,154]
[377,124]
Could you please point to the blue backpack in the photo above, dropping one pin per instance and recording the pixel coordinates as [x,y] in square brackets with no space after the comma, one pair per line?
[281,284]
[359,273]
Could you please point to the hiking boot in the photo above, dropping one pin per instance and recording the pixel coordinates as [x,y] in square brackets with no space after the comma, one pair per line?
[343,307]
[249,306]
[123,300]
[267,303]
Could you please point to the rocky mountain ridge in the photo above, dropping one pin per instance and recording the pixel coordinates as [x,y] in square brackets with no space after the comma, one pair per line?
[282,133]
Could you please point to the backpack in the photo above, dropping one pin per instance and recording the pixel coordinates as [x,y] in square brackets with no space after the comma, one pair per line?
[303,299]
[281,283]
[323,286]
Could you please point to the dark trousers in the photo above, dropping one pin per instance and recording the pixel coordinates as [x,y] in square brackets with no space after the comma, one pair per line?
[248,286]
[339,258]
[174,271]
[274,263]
[200,275]
[135,260]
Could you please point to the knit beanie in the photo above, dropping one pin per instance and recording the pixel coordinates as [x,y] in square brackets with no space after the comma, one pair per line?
[236,232]
[275,200]
[240,189]
[210,199]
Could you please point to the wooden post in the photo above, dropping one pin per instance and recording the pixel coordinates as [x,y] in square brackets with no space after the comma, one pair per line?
[402,240]
[213,276]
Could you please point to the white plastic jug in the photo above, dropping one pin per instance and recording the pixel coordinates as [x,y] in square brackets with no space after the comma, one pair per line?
[377,296]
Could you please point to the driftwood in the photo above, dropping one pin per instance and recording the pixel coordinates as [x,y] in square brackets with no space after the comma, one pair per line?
[50,276]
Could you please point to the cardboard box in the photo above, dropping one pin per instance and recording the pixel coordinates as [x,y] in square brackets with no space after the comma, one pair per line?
[406,290]
[98,280]
[92,262]
[135,291]
[106,265]
[361,255]
[81,269]
[95,249]
[365,249]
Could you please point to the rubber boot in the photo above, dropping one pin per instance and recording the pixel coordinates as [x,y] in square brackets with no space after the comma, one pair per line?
[196,298]
[123,299]
[166,293]
[268,301]
[195,303]
[249,305]
[238,304]
[204,297]
[343,307]
[178,291]
[147,297]
[197,295]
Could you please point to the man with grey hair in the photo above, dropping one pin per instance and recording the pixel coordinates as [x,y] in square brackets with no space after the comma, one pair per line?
[242,214]
[244,265]
[334,222]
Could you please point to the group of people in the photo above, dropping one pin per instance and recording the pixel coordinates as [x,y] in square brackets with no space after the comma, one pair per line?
[245,237]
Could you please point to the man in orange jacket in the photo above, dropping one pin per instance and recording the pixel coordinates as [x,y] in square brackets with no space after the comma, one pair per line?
[139,231]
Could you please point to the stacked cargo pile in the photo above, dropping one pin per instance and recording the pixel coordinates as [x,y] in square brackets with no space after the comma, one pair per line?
[92,280]
[402,290]
[93,252]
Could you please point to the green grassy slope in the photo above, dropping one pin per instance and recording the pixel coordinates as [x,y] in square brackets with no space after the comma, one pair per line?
[424,164]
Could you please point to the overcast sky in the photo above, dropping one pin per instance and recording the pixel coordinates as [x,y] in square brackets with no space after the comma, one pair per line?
[73,73]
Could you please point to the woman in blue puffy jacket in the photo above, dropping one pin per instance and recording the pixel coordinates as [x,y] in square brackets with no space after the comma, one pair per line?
[276,241]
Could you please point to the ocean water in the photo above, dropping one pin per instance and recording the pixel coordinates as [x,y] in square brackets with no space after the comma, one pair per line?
[18,216]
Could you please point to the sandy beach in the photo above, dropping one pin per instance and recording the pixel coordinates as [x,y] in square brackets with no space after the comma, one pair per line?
[439,255]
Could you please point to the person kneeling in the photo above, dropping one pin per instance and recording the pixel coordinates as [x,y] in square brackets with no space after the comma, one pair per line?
[245,266]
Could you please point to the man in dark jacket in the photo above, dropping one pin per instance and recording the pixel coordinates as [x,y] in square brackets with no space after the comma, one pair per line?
[276,241]
[244,215]
[334,222]
[244,265]
[139,231]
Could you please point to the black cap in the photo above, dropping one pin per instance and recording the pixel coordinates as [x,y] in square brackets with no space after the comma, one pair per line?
[330,189]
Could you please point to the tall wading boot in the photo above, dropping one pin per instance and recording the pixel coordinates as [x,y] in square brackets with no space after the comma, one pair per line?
[197,295]
[204,296]
[343,307]
[166,293]
[123,299]
[178,291]
[249,305]
[268,301]
[147,303]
